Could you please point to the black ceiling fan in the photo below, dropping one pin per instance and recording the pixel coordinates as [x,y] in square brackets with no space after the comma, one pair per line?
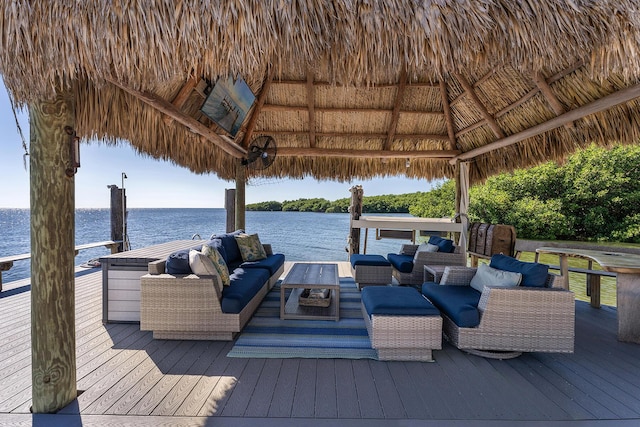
[261,153]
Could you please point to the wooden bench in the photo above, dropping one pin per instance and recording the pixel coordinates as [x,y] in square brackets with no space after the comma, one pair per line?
[593,276]
[7,262]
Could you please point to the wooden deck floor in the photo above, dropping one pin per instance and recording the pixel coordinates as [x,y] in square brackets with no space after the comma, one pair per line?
[126,377]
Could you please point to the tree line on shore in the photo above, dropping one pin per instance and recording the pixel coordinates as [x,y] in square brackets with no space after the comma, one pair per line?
[594,195]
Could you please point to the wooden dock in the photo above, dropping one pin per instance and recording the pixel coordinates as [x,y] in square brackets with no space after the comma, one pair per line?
[128,378]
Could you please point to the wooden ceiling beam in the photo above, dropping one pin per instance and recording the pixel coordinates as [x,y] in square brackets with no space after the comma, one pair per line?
[447,115]
[548,94]
[182,96]
[372,86]
[491,121]
[304,108]
[412,136]
[395,114]
[367,154]
[624,95]
[257,108]
[190,123]
[311,100]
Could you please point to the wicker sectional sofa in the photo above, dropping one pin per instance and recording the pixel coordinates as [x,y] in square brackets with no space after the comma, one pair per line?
[504,322]
[187,306]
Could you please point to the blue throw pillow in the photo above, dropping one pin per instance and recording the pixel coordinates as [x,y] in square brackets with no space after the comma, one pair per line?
[444,245]
[533,274]
[178,262]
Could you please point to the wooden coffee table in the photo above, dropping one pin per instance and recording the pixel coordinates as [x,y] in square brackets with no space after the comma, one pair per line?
[310,276]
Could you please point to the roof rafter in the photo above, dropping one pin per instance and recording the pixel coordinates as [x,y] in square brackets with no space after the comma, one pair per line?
[193,125]
[257,108]
[491,121]
[311,100]
[447,115]
[597,106]
[548,94]
[395,114]
[182,96]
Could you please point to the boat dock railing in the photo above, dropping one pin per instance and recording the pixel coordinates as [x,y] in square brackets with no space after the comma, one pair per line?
[7,262]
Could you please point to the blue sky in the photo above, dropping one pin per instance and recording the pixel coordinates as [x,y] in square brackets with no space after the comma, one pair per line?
[152,183]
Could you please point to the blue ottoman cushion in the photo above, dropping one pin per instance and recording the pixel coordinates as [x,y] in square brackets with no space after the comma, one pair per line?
[396,301]
[402,263]
[372,260]
[459,303]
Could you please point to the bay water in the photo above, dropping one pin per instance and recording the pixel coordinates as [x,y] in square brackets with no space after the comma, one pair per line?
[300,236]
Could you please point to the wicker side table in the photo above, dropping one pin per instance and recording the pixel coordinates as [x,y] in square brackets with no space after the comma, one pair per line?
[433,273]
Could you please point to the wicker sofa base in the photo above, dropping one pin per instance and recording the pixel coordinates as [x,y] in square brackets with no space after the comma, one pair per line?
[367,275]
[404,337]
[187,308]
[477,340]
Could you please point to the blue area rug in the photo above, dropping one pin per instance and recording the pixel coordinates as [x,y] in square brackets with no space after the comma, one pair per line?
[266,336]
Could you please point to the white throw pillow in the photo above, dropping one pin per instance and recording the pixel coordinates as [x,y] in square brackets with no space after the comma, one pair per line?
[494,278]
[201,265]
[425,247]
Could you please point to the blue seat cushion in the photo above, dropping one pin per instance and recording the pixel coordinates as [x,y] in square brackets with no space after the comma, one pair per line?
[444,245]
[533,274]
[402,263]
[374,260]
[272,263]
[245,284]
[459,303]
[397,301]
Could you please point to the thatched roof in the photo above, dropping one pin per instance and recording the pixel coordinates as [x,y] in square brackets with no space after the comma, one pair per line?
[348,88]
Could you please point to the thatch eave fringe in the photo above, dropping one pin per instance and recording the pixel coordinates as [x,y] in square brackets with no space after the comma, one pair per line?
[526,63]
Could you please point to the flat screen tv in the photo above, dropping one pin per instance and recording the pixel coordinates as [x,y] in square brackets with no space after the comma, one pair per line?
[228,103]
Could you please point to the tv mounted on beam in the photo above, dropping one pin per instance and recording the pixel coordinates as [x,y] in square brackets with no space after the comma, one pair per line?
[228,103]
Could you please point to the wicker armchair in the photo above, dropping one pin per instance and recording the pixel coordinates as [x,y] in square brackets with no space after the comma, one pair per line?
[416,276]
[514,320]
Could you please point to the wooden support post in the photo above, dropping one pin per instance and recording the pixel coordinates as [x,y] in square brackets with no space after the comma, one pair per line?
[240,196]
[117,211]
[53,348]
[230,206]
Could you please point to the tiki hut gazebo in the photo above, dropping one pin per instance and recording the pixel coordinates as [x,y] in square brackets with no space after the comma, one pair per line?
[347,89]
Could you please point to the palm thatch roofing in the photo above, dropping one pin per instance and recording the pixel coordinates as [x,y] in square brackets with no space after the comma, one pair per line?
[347,88]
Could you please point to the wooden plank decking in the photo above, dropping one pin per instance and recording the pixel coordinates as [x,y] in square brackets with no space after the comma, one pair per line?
[126,377]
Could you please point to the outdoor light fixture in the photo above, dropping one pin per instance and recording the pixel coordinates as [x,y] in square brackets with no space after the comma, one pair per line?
[408,163]
[74,152]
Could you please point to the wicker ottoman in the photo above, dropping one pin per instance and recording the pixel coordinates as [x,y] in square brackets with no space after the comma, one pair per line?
[370,270]
[401,323]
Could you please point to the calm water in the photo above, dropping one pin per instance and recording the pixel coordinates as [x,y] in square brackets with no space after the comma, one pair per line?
[301,236]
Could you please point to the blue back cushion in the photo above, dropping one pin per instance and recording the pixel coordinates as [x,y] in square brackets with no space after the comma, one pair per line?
[444,245]
[459,303]
[232,252]
[178,262]
[533,274]
[402,263]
